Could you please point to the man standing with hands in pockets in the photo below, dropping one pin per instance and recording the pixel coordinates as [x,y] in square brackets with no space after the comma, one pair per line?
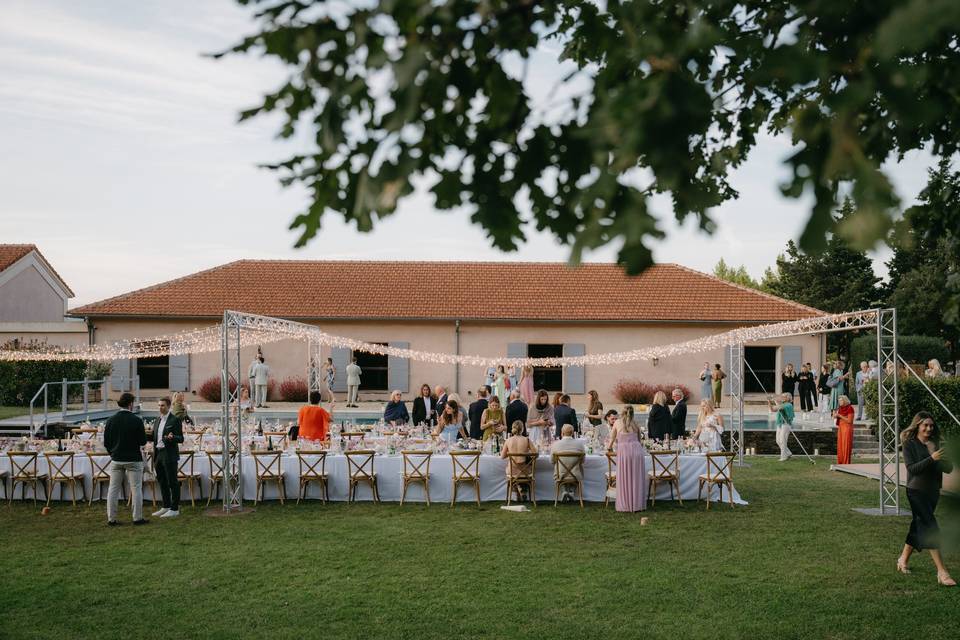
[167,437]
[123,436]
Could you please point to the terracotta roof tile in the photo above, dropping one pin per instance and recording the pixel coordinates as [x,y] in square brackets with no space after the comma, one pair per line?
[411,290]
[11,253]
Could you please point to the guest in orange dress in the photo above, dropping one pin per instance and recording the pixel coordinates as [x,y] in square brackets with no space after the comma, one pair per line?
[313,420]
[844,418]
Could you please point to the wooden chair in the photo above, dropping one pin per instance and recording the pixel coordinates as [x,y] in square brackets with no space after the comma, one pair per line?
[360,471]
[99,474]
[60,470]
[78,430]
[149,476]
[279,439]
[611,477]
[315,471]
[23,466]
[719,473]
[353,435]
[521,472]
[466,468]
[268,469]
[566,464]
[4,474]
[215,458]
[186,472]
[416,468]
[666,469]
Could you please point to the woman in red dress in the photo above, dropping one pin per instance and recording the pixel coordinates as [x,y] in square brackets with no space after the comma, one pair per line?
[844,418]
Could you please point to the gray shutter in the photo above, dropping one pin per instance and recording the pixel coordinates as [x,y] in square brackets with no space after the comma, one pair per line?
[398,370]
[341,358]
[180,372]
[792,355]
[120,375]
[517,350]
[575,377]
[728,383]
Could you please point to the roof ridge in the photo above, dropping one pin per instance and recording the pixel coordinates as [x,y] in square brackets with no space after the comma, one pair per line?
[748,289]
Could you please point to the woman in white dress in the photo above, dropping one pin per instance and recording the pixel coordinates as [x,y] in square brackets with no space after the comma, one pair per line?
[709,426]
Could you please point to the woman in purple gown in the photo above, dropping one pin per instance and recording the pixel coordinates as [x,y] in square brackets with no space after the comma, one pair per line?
[631,467]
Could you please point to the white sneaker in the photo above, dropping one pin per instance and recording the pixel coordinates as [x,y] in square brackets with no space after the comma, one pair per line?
[157,514]
[170,514]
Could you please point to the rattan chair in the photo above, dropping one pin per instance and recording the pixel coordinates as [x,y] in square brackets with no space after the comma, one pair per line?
[360,470]
[566,464]
[23,465]
[466,468]
[61,470]
[611,477]
[416,469]
[186,472]
[719,473]
[521,472]
[315,471]
[666,469]
[268,467]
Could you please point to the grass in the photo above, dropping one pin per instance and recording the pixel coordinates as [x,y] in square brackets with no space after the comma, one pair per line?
[12,412]
[796,563]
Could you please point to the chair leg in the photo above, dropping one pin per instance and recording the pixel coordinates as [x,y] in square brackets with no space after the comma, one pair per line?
[49,491]
[556,493]
[376,491]
[509,491]
[533,493]
[426,489]
[453,498]
[403,495]
[679,495]
[476,486]
[282,489]
[652,492]
[190,485]
[730,493]
[326,494]
[580,492]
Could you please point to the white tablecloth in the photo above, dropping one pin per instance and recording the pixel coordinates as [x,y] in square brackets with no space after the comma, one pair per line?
[493,486]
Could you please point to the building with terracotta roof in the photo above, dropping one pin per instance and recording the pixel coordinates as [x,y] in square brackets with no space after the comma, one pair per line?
[484,308]
[33,300]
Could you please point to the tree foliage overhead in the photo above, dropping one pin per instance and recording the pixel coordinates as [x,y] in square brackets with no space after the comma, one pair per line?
[388,91]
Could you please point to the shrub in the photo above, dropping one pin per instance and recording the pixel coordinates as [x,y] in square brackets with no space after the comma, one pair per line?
[637,392]
[209,389]
[19,381]
[293,389]
[912,397]
[913,349]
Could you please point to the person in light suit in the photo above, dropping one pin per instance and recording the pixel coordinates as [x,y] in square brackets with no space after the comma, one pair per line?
[353,382]
[566,444]
[261,378]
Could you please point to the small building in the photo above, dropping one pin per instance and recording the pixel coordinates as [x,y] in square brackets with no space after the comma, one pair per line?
[483,308]
[33,301]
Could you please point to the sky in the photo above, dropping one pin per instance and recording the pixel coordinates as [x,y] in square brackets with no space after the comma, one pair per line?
[123,161]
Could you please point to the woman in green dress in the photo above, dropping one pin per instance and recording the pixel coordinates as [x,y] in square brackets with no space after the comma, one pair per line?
[492,420]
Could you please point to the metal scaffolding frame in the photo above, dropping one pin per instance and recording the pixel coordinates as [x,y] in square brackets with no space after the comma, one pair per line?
[884,322]
[314,363]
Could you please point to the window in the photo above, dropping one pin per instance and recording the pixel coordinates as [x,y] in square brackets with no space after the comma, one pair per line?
[549,378]
[154,372]
[763,361]
[374,368]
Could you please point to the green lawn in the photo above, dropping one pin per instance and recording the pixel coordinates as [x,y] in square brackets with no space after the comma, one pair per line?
[13,412]
[796,563]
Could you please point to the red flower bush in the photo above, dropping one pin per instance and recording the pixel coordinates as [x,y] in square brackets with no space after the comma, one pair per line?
[210,389]
[637,392]
[293,389]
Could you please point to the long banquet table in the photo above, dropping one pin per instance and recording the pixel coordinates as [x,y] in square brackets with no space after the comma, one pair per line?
[389,469]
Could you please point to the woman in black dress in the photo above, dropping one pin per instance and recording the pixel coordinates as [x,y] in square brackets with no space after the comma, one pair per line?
[807,389]
[926,463]
[658,420]
[788,381]
[823,389]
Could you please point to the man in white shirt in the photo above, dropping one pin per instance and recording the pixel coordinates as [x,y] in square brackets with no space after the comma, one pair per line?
[353,382]
[261,376]
[566,444]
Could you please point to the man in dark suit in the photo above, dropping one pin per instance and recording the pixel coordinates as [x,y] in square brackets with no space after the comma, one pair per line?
[678,417]
[475,413]
[564,414]
[123,436]
[516,410]
[441,395]
[167,438]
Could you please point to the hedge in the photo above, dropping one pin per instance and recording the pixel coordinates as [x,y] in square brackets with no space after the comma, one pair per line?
[19,381]
[912,397]
[913,349]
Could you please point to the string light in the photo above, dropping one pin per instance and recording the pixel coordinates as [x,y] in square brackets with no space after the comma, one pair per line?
[256,330]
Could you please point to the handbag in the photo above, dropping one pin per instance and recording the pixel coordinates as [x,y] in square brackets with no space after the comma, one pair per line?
[833,382]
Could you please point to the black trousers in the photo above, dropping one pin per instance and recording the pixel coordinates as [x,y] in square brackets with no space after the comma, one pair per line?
[808,399]
[924,531]
[169,485]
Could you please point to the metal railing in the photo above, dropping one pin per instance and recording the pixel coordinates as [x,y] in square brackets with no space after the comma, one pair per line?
[103,385]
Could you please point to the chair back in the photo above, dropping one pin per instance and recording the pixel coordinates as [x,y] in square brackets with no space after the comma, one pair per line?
[416,464]
[23,464]
[316,468]
[277,438]
[99,464]
[267,463]
[611,463]
[720,466]
[353,435]
[521,465]
[666,464]
[59,464]
[566,465]
[185,464]
[360,464]
[466,465]
[216,462]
